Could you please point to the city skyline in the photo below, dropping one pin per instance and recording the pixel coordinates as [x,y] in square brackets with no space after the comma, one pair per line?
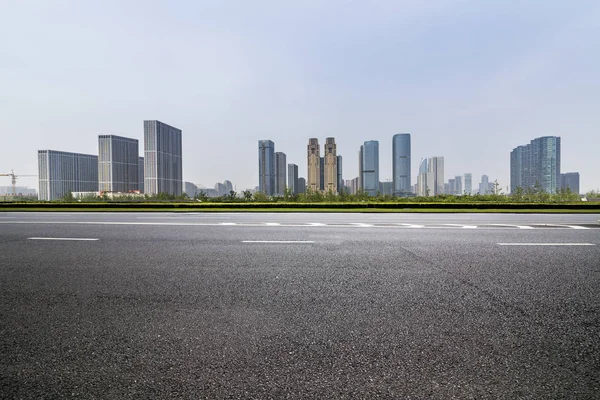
[469,93]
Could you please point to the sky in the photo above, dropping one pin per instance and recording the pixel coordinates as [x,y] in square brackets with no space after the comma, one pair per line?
[470,80]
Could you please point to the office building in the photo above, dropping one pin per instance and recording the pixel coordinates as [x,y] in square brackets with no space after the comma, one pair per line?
[301,185]
[313,183]
[141,174]
[468,183]
[450,187]
[61,173]
[293,178]
[386,188]
[485,186]
[360,167]
[266,167]
[118,159]
[435,175]
[421,187]
[330,166]
[190,189]
[228,186]
[162,159]
[570,181]
[220,189]
[280,173]
[458,186]
[401,164]
[370,167]
[340,177]
[536,165]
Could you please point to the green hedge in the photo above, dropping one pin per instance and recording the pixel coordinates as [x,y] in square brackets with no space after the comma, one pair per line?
[279,205]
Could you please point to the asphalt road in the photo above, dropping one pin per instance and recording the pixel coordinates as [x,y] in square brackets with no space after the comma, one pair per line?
[299,306]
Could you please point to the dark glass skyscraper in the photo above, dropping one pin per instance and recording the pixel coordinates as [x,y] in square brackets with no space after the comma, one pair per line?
[163,168]
[370,167]
[280,173]
[266,167]
[401,163]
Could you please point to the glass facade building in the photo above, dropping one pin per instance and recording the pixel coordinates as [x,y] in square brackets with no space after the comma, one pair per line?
[280,173]
[370,167]
[293,178]
[162,159]
[118,159]
[61,173]
[536,164]
[401,164]
[266,167]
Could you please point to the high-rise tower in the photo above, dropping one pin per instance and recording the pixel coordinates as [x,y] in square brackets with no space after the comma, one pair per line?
[118,159]
[401,163]
[266,167]
[370,167]
[330,169]
[314,165]
[162,159]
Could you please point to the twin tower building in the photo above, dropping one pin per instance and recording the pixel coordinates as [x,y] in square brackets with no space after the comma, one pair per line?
[324,169]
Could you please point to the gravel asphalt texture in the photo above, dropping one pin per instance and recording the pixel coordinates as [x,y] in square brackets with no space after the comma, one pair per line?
[153,309]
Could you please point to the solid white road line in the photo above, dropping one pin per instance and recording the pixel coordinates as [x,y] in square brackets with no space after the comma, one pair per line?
[277,241]
[361,225]
[272,224]
[56,238]
[511,225]
[228,223]
[315,224]
[546,244]
[412,225]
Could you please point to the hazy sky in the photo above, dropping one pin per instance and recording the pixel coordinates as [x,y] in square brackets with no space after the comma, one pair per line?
[470,80]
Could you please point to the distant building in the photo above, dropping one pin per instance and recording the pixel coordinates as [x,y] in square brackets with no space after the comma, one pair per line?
[430,181]
[401,163]
[162,159]
[536,164]
[330,167]
[313,181]
[570,181]
[322,174]
[220,189]
[340,178]
[266,167]
[370,167]
[421,188]
[190,189]
[293,178]
[468,183]
[141,174]
[61,173]
[458,187]
[301,185]
[228,187]
[447,188]
[485,186]
[360,167]
[118,159]
[451,186]
[19,191]
[386,188]
[280,173]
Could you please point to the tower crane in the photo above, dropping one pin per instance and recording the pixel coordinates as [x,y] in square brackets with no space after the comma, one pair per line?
[14,180]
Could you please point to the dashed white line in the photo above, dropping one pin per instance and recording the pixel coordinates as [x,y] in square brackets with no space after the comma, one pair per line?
[513,226]
[546,244]
[272,224]
[316,224]
[227,223]
[56,238]
[279,241]
[412,225]
[463,226]
[361,225]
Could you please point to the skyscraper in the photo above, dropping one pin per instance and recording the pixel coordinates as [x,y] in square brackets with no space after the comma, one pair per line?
[266,167]
[162,159]
[314,165]
[360,167]
[570,181]
[118,159]
[458,186]
[293,178]
[340,177]
[401,164]
[280,173]
[485,186]
[330,170]
[370,165]
[61,173]
[422,189]
[435,175]
[536,164]
[468,183]
[141,174]
[228,186]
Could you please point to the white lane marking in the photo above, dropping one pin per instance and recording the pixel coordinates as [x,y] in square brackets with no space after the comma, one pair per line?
[56,238]
[272,224]
[564,226]
[316,224]
[412,225]
[462,226]
[361,225]
[511,225]
[228,223]
[546,244]
[278,241]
